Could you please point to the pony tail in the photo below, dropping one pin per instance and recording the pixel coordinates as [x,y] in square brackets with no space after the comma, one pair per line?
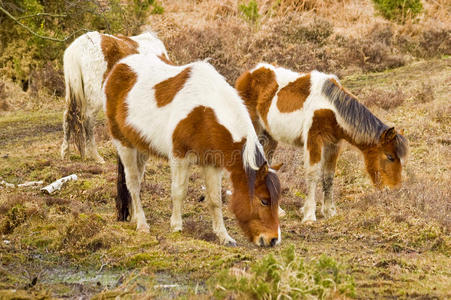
[75,101]
[123,198]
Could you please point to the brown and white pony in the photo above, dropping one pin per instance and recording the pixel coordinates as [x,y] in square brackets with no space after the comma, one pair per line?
[87,61]
[190,114]
[315,112]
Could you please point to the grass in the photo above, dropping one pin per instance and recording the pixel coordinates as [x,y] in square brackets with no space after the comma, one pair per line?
[381,244]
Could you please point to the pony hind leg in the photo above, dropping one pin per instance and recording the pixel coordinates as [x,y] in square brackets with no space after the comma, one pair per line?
[179,187]
[66,134]
[213,178]
[329,161]
[91,147]
[141,161]
[132,179]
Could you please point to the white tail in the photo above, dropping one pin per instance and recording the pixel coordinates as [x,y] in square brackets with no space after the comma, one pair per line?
[74,115]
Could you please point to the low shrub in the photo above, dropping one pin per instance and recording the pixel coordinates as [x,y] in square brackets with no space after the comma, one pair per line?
[249,11]
[398,10]
[286,277]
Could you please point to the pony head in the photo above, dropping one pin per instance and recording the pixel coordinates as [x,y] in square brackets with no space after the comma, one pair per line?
[384,159]
[257,208]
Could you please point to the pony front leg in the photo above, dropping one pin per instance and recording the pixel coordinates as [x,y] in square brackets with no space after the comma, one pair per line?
[312,178]
[179,187]
[329,161]
[213,177]
[132,179]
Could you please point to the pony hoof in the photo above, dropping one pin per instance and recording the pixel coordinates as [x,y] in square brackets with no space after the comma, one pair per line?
[100,160]
[231,243]
[329,212]
[309,219]
[176,228]
[144,228]
[282,213]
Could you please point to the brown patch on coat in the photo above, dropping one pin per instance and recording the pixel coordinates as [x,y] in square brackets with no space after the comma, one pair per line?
[324,129]
[202,135]
[165,59]
[166,90]
[116,48]
[292,96]
[257,90]
[121,81]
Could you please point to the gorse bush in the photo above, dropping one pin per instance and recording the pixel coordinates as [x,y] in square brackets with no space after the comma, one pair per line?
[398,10]
[249,11]
[286,277]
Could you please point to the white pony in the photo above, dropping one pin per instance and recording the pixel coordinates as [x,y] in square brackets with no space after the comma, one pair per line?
[87,61]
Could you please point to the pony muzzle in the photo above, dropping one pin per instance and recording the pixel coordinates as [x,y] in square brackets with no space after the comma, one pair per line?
[268,240]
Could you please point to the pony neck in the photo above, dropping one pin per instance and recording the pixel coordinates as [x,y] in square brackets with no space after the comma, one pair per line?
[370,154]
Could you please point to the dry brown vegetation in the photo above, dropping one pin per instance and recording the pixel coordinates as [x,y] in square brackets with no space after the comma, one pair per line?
[393,243]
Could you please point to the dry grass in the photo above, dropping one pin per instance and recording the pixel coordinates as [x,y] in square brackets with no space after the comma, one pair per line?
[301,35]
[394,243]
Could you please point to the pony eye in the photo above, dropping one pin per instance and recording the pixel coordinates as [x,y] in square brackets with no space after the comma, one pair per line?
[265,202]
[389,157]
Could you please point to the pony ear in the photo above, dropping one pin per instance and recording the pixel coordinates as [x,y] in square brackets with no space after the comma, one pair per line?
[388,135]
[261,173]
[277,167]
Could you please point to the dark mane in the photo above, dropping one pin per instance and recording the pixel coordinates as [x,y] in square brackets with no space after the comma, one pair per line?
[272,182]
[260,160]
[360,123]
[273,186]
[401,146]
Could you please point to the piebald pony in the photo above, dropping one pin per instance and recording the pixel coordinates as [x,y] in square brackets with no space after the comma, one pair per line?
[315,112]
[87,61]
[190,114]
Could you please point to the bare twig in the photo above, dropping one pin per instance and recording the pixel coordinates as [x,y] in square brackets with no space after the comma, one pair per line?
[37,34]
[42,14]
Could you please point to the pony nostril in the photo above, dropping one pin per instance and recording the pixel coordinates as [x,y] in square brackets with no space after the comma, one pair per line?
[273,242]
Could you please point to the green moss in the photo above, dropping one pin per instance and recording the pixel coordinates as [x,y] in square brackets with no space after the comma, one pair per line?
[154,260]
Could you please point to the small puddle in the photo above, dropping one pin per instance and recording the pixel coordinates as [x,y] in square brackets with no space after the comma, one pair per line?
[165,285]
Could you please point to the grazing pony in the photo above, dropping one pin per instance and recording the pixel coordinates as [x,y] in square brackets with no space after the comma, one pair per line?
[87,62]
[314,111]
[190,114]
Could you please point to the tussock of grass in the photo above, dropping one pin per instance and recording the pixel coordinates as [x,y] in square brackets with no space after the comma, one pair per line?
[287,276]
